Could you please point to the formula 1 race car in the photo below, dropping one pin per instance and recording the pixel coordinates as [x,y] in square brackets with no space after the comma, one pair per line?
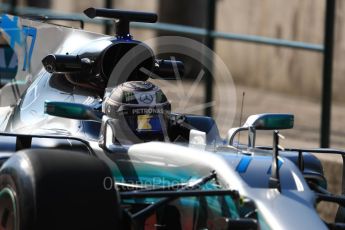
[87,142]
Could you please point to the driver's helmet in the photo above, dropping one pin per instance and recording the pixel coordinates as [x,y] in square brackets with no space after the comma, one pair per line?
[138,111]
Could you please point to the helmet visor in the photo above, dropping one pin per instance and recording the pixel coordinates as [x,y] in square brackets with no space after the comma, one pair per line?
[142,127]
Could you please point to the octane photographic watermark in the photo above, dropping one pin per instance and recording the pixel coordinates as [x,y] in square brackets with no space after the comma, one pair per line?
[109,183]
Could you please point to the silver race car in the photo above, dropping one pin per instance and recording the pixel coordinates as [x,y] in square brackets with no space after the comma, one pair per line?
[88,142]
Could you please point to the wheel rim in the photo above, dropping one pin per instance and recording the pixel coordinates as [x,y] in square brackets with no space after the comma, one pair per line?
[7,210]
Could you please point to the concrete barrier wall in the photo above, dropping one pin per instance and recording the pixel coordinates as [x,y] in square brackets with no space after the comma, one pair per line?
[291,71]
[287,70]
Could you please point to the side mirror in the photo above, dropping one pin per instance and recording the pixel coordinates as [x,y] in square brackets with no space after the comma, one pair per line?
[71,110]
[265,121]
[270,121]
[57,63]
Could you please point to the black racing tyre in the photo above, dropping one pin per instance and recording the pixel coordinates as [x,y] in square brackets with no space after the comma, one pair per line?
[52,189]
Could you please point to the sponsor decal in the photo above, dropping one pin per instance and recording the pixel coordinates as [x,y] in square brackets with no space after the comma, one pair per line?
[144,122]
[148,123]
[148,111]
[146,98]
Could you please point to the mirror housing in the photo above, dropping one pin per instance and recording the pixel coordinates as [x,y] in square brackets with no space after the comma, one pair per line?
[270,121]
[58,63]
[265,121]
[71,110]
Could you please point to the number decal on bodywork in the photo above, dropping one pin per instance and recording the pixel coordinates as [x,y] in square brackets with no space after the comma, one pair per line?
[29,32]
[24,37]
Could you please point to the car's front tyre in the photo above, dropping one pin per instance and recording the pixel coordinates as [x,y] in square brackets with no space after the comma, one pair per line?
[52,189]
